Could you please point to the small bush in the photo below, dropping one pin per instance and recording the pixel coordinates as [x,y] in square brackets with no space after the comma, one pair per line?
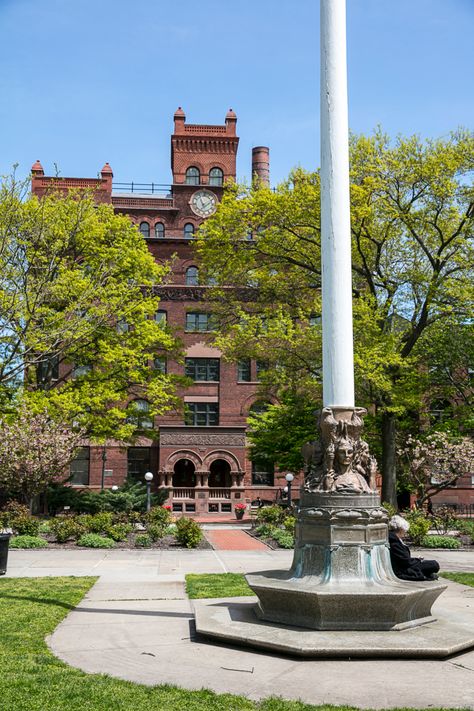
[440,542]
[119,531]
[419,525]
[266,530]
[93,540]
[271,514]
[444,519]
[143,541]
[45,527]
[25,525]
[290,524]
[100,522]
[158,515]
[465,527]
[155,531]
[188,532]
[28,542]
[65,527]
[170,530]
[283,538]
[389,508]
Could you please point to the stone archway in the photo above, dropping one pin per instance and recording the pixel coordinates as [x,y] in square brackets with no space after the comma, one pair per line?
[184,474]
[219,474]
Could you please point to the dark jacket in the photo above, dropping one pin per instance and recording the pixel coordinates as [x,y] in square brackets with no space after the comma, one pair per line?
[404,566]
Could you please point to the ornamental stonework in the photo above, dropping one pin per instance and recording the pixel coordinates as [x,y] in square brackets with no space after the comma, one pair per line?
[169,439]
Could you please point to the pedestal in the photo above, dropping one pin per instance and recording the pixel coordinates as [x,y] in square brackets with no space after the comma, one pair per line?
[341,577]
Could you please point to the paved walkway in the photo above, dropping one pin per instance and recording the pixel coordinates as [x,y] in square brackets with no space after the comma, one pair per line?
[136,623]
[233,540]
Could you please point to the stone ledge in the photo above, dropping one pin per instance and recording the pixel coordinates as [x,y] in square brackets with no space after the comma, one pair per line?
[233,621]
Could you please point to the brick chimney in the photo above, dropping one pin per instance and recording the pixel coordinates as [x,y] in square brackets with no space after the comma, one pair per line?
[261,165]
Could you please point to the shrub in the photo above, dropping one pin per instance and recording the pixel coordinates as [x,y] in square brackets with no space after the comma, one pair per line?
[25,525]
[271,514]
[44,527]
[419,525]
[290,524]
[159,515]
[93,540]
[11,511]
[440,542]
[389,508]
[143,541]
[119,531]
[283,538]
[65,527]
[28,542]
[170,530]
[444,519]
[465,527]
[266,530]
[188,532]
[100,522]
[155,531]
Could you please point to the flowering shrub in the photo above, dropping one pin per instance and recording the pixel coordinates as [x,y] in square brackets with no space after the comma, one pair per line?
[240,507]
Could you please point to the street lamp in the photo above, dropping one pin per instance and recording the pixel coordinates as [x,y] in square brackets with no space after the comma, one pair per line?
[115,487]
[148,479]
[289,478]
[104,459]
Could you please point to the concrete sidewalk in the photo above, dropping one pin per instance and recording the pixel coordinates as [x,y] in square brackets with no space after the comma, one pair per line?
[136,623]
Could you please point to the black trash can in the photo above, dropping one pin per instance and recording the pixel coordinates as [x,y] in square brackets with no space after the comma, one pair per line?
[4,543]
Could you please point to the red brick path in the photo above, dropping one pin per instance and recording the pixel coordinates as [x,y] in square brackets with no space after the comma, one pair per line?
[233,541]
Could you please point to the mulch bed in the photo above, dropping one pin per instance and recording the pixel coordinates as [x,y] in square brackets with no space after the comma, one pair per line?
[167,543]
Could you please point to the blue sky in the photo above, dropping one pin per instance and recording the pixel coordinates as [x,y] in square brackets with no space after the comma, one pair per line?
[88,81]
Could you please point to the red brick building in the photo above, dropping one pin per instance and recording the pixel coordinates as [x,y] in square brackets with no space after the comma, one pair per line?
[204,461]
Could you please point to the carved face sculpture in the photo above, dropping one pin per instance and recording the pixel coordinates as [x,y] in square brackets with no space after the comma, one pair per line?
[345,453]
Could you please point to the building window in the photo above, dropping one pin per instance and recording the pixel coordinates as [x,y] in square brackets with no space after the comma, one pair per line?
[243,370]
[262,366]
[161,317]
[193,176]
[79,467]
[202,369]
[138,414]
[188,230]
[159,230]
[138,462]
[440,411]
[145,229]
[202,414]
[79,370]
[161,365]
[262,473]
[216,176]
[196,321]
[192,276]
[47,371]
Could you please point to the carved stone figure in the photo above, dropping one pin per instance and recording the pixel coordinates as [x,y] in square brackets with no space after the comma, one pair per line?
[340,461]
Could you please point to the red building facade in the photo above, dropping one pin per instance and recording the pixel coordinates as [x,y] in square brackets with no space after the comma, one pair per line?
[203,461]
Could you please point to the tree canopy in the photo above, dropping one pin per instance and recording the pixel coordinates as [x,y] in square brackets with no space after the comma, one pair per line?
[412,217]
[77,306]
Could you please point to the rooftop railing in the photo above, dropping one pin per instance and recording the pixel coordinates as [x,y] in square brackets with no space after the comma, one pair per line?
[159,189]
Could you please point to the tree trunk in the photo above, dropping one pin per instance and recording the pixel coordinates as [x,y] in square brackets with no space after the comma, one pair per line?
[389,468]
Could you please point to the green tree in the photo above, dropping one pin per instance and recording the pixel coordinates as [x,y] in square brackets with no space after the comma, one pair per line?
[412,221]
[77,305]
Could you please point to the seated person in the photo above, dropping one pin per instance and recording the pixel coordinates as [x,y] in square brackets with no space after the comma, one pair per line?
[404,566]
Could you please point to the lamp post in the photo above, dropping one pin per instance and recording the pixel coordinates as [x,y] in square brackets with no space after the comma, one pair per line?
[148,479]
[289,478]
[104,459]
[115,487]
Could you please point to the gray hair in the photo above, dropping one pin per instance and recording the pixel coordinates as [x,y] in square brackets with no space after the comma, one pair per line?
[398,523]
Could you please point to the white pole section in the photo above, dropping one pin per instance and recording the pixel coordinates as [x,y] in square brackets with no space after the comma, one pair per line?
[338,356]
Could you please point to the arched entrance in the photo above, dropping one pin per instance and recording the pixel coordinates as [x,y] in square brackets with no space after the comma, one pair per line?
[219,474]
[184,473]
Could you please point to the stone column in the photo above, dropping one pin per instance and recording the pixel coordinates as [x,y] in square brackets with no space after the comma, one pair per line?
[338,360]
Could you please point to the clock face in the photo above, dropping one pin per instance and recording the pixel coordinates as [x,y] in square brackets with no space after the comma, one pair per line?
[203,203]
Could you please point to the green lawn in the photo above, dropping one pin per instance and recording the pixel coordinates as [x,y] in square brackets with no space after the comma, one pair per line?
[32,679]
[216,585]
[463,578]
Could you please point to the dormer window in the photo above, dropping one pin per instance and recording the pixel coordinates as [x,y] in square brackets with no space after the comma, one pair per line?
[216,177]
[145,229]
[193,176]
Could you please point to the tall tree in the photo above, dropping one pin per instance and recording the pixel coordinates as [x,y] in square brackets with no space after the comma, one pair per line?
[77,308]
[412,227]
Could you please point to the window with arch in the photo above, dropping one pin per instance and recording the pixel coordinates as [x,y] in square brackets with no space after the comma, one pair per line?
[192,276]
[159,230]
[138,414]
[145,229]
[216,176]
[161,317]
[188,230]
[193,176]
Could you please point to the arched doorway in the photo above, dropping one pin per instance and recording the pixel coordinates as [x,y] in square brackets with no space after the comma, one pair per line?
[184,473]
[219,474]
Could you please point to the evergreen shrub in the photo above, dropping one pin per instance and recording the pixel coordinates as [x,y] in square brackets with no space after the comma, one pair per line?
[93,540]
